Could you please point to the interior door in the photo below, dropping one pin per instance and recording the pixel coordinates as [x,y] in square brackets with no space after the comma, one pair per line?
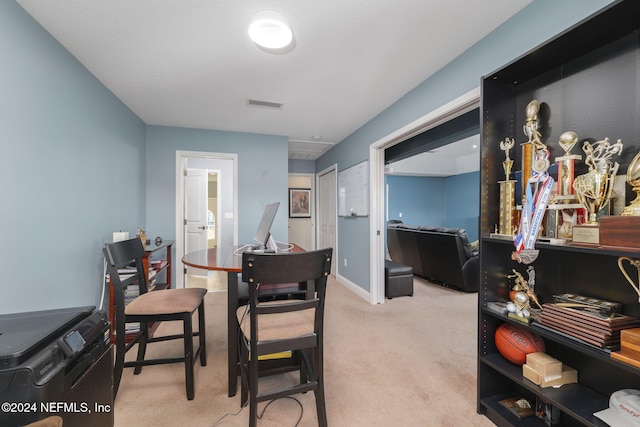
[327,213]
[195,207]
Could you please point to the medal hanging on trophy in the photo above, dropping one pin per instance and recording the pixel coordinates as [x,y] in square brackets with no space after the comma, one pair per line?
[537,190]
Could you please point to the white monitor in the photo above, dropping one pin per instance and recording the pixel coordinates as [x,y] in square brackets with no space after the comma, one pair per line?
[263,232]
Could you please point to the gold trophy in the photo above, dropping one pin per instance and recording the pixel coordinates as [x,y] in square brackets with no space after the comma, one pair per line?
[530,129]
[633,178]
[507,194]
[595,187]
[536,188]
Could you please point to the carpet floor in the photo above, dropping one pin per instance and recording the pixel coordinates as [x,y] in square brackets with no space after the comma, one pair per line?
[408,362]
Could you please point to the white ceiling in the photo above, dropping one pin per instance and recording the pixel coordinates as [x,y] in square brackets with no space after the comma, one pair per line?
[459,157]
[190,63]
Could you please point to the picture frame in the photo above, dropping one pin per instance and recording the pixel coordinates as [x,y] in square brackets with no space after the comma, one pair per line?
[299,203]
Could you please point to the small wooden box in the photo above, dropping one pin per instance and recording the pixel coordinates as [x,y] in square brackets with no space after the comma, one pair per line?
[547,366]
[631,335]
[620,231]
[569,375]
[630,343]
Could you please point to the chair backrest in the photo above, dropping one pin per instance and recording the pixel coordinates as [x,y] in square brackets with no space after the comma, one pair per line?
[309,268]
[124,265]
[286,267]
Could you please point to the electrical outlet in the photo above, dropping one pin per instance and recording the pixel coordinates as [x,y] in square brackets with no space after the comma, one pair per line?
[345,262]
[400,215]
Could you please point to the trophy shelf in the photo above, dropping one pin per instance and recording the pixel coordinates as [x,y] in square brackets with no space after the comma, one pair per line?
[585,80]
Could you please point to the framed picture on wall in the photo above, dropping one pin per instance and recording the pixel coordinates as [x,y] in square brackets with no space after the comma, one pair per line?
[299,203]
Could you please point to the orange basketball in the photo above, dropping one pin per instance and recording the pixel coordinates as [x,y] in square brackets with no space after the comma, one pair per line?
[514,343]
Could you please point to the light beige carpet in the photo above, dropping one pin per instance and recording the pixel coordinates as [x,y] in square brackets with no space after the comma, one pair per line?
[408,362]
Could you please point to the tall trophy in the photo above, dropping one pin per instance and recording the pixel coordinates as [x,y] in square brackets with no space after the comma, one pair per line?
[562,212]
[594,188]
[530,129]
[506,227]
[566,166]
[537,185]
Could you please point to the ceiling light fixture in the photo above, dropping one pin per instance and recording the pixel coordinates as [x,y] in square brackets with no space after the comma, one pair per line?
[270,30]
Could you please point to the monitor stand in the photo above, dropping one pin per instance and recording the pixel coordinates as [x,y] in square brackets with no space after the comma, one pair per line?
[271,245]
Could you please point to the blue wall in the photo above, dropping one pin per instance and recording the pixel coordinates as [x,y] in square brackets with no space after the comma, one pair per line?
[302,166]
[262,176]
[420,200]
[536,23]
[442,202]
[73,170]
[462,203]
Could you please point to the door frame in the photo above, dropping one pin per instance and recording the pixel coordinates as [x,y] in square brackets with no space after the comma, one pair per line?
[460,105]
[331,169]
[181,163]
[218,201]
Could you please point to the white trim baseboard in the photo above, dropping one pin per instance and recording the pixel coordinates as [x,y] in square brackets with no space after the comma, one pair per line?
[353,287]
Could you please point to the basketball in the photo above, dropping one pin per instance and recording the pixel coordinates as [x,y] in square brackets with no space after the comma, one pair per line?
[514,343]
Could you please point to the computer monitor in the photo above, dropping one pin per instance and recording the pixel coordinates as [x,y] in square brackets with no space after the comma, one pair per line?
[263,233]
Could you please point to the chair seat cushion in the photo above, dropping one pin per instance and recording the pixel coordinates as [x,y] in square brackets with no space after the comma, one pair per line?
[277,326]
[166,301]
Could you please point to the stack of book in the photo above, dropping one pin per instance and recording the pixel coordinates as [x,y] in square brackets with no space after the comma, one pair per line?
[157,264]
[583,322]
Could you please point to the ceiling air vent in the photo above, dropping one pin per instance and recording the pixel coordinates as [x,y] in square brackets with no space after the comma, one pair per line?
[265,104]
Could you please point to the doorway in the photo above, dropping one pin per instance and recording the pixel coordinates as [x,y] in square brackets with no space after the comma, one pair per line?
[327,210]
[206,206]
[302,222]
[461,105]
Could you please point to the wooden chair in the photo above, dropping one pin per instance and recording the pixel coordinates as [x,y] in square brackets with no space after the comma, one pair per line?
[149,307]
[284,325]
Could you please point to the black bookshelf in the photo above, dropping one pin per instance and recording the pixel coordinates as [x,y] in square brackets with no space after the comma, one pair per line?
[587,80]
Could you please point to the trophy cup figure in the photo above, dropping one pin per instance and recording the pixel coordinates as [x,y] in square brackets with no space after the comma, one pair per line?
[566,166]
[537,184]
[507,192]
[594,188]
[633,178]
[562,215]
[530,129]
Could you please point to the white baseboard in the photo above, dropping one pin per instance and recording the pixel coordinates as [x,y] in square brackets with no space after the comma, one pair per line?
[354,288]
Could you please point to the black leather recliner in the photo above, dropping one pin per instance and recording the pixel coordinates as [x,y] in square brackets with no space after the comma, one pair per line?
[439,254]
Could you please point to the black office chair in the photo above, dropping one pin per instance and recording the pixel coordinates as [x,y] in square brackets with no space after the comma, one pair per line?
[284,325]
[149,307]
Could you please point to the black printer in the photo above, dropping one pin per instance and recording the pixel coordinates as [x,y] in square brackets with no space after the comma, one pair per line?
[56,362]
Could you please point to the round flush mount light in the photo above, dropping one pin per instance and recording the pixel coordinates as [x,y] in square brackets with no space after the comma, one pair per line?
[270,30]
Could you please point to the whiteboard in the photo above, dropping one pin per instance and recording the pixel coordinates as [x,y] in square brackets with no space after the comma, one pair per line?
[353,190]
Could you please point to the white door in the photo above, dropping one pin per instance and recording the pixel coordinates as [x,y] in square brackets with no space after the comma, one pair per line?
[195,213]
[226,225]
[327,213]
